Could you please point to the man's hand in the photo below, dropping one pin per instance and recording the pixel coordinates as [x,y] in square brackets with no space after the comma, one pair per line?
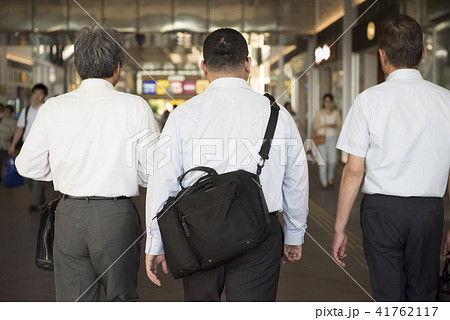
[151,266]
[447,245]
[338,247]
[292,253]
[11,151]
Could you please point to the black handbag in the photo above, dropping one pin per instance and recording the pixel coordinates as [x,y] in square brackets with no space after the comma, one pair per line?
[44,249]
[219,217]
[444,284]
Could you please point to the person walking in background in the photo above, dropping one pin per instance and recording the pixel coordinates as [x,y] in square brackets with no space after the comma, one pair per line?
[252,276]
[26,119]
[398,134]
[81,140]
[327,123]
[7,128]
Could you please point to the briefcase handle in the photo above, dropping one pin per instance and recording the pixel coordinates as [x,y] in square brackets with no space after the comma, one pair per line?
[209,171]
[445,271]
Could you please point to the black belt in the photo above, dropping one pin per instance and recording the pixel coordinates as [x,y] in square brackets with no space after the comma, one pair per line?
[65,196]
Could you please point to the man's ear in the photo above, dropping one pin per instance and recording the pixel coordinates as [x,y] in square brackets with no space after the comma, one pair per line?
[117,71]
[383,57]
[424,52]
[203,67]
[248,64]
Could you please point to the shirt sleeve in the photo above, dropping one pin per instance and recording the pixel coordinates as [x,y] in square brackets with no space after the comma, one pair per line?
[33,159]
[354,137]
[21,120]
[295,190]
[150,136]
[167,167]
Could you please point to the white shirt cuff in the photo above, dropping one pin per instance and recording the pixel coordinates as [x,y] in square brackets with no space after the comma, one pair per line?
[294,237]
[154,246]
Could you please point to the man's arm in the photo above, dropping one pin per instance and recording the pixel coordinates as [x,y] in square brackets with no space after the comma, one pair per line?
[148,127]
[163,183]
[352,176]
[17,135]
[33,162]
[447,237]
[295,198]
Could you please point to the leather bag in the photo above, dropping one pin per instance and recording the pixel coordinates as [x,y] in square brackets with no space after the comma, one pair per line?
[44,249]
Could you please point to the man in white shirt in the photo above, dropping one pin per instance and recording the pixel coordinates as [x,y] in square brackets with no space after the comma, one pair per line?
[223,128]
[398,132]
[81,140]
[26,119]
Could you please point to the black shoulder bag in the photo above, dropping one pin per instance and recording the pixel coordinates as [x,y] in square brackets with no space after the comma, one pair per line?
[20,142]
[219,217]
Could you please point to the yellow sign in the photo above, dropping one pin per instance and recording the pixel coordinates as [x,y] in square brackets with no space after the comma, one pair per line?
[162,85]
[287,85]
[201,85]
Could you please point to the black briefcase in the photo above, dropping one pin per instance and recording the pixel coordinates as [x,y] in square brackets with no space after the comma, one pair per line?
[218,218]
[44,249]
[444,284]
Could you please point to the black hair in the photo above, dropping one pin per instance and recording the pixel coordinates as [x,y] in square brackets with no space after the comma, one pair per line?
[40,86]
[225,50]
[10,108]
[97,52]
[401,37]
[327,95]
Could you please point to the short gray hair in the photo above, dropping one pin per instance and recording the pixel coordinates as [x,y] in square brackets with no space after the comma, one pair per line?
[98,51]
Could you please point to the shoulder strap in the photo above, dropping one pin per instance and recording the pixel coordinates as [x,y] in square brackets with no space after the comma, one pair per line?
[26,117]
[270,131]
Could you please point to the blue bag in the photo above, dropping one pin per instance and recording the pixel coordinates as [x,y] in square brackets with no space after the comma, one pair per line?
[12,178]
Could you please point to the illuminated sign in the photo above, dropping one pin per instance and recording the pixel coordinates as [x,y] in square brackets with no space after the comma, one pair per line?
[201,86]
[322,53]
[149,87]
[189,87]
[161,87]
[176,87]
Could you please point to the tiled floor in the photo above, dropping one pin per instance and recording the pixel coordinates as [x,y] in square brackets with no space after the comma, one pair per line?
[315,278]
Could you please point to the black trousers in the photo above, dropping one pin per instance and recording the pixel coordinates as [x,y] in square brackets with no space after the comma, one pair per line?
[402,240]
[250,277]
[89,237]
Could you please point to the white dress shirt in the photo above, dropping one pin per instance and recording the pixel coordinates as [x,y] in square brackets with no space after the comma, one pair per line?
[31,116]
[223,128]
[402,128]
[79,140]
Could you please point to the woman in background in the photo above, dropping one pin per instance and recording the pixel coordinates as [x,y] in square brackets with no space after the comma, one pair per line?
[327,123]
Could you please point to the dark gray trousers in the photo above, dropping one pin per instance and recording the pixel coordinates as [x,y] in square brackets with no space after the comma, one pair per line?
[250,277]
[402,240]
[89,237]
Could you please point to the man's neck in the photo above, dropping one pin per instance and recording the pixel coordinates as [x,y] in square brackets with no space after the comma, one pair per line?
[110,80]
[215,76]
[37,105]
[391,69]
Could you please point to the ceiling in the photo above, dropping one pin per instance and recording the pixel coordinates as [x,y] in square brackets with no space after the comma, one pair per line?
[154,16]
